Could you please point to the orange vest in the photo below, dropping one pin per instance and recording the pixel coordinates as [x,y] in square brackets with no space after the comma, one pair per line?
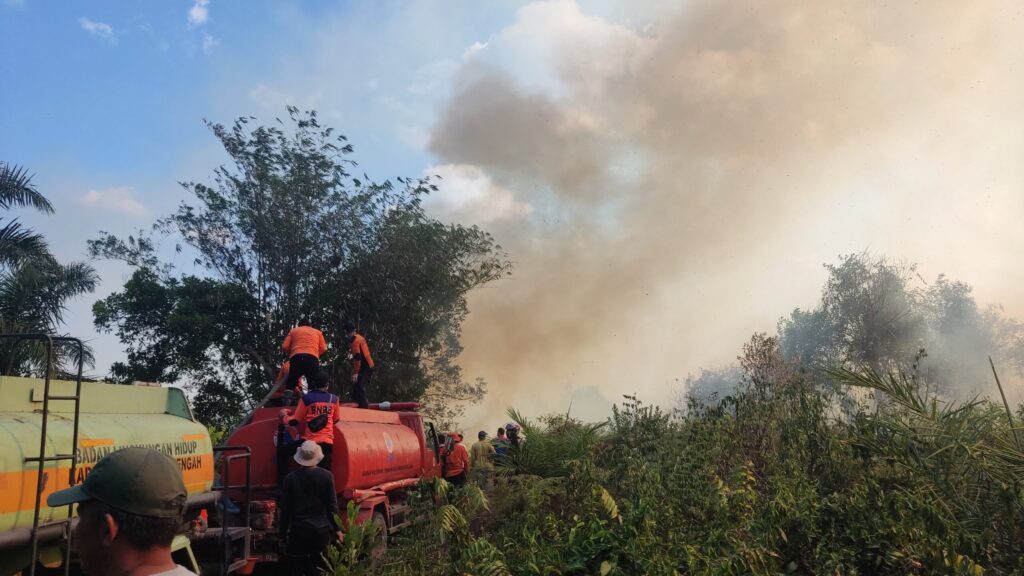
[304,340]
[360,353]
[457,460]
[315,404]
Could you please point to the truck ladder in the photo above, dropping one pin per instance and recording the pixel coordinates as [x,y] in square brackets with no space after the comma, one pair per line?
[42,459]
[230,534]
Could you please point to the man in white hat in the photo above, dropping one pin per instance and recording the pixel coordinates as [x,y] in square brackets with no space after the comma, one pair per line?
[309,505]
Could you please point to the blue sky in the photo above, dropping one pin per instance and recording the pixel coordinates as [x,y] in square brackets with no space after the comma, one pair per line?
[668,177]
[107,99]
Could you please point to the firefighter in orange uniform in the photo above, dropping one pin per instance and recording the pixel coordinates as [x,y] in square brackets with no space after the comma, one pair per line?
[456,461]
[279,384]
[317,413]
[362,364]
[304,345]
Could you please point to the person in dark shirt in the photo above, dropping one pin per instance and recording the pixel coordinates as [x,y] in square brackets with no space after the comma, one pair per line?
[309,505]
[500,447]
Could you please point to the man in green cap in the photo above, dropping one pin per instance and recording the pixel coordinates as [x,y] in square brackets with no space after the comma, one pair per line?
[129,510]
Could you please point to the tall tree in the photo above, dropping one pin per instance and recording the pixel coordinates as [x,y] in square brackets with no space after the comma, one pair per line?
[34,286]
[869,313]
[282,232]
[879,313]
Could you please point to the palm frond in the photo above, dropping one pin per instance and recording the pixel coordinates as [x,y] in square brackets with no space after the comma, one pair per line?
[19,244]
[33,299]
[958,449]
[451,520]
[17,189]
[481,557]
[549,446]
[472,499]
[608,502]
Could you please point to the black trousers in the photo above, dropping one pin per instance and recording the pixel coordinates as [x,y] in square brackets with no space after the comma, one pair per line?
[327,449]
[301,365]
[359,388]
[305,549]
[459,479]
[286,450]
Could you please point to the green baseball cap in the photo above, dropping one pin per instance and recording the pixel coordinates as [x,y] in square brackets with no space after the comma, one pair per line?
[141,481]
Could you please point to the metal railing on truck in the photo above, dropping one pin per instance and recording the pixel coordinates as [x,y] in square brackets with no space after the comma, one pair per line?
[42,459]
[230,534]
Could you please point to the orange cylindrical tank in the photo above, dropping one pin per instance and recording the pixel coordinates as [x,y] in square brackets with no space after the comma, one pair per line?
[370,453]
[371,447]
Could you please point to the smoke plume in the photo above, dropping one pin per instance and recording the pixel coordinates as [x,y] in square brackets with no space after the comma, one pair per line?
[669,183]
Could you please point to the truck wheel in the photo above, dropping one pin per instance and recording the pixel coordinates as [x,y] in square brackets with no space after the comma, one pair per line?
[381,547]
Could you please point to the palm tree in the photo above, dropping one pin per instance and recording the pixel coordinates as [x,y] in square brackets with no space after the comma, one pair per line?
[34,286]
[17,243]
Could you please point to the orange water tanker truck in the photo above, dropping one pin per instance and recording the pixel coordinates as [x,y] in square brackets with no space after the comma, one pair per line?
[379,455]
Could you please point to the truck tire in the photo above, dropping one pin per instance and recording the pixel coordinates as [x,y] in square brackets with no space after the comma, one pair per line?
[381,547]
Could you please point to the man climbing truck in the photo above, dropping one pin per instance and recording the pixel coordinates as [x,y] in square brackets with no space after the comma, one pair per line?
[303,346]
[317,414]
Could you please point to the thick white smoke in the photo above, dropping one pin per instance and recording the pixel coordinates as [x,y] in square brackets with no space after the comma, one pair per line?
[669,186]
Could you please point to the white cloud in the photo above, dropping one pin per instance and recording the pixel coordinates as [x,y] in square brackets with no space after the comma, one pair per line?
[120,199]
[14,3]
[467,194]
[473,50]
[209,43]
[198,14]
[98,29]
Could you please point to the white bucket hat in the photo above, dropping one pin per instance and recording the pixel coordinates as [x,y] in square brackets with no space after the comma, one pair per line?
[309,454]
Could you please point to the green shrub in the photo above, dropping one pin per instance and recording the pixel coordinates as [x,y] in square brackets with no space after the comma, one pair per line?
[778,478]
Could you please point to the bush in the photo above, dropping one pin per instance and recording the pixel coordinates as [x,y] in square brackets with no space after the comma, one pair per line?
[774,479]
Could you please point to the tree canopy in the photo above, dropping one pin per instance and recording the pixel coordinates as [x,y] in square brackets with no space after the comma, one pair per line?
[881,314]
[286,231]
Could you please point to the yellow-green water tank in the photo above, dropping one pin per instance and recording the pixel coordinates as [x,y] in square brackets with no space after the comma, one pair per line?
[111,417]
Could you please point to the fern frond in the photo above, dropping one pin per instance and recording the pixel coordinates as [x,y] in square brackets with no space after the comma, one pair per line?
[451,520]
[608,502]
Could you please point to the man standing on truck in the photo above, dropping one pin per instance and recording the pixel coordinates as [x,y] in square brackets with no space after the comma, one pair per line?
[362,364]
[309,504]
[130,508]
[317,412]
[303,346]
[456,461]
